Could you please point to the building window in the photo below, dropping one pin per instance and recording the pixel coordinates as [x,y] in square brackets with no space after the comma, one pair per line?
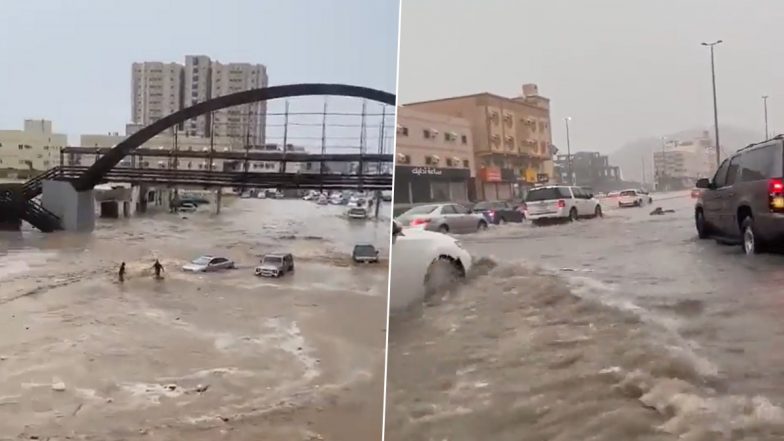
[402,131]
[464,139]
[21,147]
[426,133]
[466,164]
[450,137]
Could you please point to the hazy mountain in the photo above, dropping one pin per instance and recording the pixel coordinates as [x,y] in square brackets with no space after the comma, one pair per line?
[630,156]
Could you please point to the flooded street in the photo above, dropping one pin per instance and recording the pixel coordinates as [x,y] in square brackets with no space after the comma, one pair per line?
[623,328]
[195,356]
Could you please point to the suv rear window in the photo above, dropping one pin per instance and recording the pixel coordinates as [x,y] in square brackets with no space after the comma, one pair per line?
[547,194]
[762,163]
[628,193]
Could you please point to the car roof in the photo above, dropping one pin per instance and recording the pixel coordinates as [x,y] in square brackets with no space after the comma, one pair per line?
[277,255]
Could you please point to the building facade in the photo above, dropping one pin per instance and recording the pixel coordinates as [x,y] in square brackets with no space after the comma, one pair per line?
[512,139]
[679,164]
[35,148]
[159,89]
[589,169]
[156,91]
[434,158]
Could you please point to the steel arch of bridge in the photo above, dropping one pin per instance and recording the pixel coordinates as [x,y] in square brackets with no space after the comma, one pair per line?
[98,170]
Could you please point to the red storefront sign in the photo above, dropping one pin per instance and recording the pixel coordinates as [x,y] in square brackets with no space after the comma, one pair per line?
[490,174]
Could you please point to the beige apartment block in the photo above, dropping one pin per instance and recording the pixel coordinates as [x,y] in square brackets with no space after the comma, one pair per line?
[35,148]
[512,138]
[434,157]
[156,91]
[246,121]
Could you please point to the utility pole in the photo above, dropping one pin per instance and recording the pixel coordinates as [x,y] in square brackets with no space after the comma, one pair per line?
[715,105]
[765,107]
[569,151]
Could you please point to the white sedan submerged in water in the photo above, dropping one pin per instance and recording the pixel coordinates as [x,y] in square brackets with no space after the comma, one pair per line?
[424,261]
[208,263]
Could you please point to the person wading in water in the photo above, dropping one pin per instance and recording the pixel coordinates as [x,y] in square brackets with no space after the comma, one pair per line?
[121,273]
[158,268]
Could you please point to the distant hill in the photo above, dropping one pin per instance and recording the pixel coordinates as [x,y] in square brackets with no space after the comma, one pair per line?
[629,157]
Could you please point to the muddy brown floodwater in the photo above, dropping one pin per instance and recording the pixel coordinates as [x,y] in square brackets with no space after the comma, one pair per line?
[195,356]
[623,328]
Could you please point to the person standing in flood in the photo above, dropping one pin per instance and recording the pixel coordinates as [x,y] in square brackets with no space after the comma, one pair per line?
[158,268]
[121,273]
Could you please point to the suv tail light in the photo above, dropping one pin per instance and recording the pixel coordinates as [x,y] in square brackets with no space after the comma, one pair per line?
[522,208]
[776,194]
[561,203]
[491,213]
[417,222]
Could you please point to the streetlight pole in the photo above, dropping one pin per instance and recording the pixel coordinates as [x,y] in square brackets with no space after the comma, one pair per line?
[568,151]
[765,107]
[715,106]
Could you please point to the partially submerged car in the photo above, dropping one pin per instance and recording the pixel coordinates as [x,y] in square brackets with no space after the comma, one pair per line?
[204,264]
[275,265]
[364,253]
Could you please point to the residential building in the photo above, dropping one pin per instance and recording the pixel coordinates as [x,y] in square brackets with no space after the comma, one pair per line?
[247,121]
[159,89]
[156,91]
[35,148]
[434,157]
[589,169]
[512,138]
[679,164]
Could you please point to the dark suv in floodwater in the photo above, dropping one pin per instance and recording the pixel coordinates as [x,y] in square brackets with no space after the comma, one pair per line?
[744,201]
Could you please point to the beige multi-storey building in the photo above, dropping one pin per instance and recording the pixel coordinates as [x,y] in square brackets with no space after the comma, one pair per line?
[434,157]
[512,138]
[156,91]
[160,89]
[246,121]
[35,148]
[678,164]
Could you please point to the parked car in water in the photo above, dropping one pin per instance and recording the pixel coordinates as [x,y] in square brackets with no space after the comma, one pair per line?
[365,254]
[209,263]
[275,265]
[499,212]
[424,263]
[357,213]
[444,218]
[744,201]
[197,200]
[633,198]
[187,207]
[560,202]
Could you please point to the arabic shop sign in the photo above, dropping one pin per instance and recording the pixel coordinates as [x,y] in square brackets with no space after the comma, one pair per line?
[419,171]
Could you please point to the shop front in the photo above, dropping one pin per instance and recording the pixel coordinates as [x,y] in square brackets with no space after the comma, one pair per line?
[415,185]
[497,183]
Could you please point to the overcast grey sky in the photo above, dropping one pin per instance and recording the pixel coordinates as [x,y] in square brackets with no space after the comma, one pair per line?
[70,61]
[622,69]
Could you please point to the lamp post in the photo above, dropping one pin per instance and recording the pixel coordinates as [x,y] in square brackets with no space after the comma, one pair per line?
[715,106]
[765,110]
[568,151]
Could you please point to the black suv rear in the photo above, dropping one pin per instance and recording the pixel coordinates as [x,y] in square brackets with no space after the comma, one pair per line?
[744,201]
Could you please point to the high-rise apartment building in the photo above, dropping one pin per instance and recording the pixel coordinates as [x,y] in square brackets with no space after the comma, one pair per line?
[160,89]
[246,121]
[156,91]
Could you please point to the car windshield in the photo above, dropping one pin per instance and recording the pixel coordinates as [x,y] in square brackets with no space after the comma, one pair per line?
[272,260]
[546,194]
[424,209]
[365,250]
[203,260]
[628,193]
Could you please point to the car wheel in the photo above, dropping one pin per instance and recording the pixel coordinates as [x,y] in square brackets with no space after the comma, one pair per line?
[441,275]
[620,205]
[751,241]
[598,211]
[702,227]
[482,226]
[572,215]
[443,229]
